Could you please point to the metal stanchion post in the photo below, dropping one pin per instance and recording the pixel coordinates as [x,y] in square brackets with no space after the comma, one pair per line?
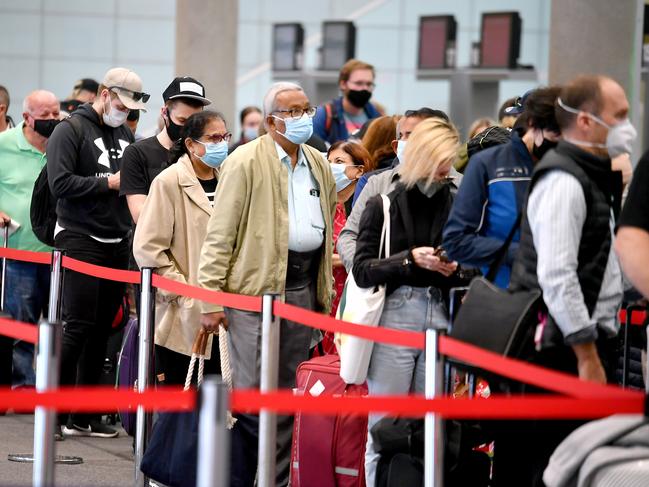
[434,432]
[269,377]
[213,434]
[47,378]
[56,286]
[5,243]
[144,369]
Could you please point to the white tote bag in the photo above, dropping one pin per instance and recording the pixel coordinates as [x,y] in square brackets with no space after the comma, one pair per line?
[363,306]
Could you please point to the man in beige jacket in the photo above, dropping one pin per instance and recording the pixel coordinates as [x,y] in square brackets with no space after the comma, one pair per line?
[270,232]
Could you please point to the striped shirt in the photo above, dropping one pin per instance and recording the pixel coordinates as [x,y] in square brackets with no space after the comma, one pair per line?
[556,211]
[209,186]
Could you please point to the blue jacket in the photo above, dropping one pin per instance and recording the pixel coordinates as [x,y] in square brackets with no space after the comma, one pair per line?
[338,129]
[487,204]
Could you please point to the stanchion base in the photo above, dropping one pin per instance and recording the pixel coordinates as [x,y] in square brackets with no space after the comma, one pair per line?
[29,458]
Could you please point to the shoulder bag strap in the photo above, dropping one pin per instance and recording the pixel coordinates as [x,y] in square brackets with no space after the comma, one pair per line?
[385,232]
[502,251]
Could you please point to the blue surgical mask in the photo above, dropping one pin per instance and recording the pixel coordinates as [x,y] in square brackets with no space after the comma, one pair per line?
[250,133]
[401,147]
[342,181]
[298,130]
[215,154]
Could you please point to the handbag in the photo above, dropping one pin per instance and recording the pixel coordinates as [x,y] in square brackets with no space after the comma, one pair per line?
[499,320]
[363,306]
[170,457]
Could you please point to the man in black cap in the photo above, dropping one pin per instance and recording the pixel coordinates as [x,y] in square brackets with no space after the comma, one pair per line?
[145,159]
[84,91]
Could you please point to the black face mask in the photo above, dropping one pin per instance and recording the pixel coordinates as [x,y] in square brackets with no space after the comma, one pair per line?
[173,129]
[359,98]
[539,151]
[45,127]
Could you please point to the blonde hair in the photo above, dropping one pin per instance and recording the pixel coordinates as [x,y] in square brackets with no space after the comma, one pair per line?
[434,142]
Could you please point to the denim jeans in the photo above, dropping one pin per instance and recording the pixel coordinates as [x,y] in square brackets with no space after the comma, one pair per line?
[400,370]
[27,294]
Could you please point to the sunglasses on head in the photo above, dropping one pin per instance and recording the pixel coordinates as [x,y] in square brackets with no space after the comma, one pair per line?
[135,95]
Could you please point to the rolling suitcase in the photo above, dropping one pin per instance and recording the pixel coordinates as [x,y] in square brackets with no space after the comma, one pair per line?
[127,371]
[327,451]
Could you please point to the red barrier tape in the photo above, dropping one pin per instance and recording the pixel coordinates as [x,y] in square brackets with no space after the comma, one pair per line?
[246,303]
[638,318]
[533,406]
[99,399]
[19,330]
[285,402]
[312,319]
[528,373]
[26,255]
[119,275]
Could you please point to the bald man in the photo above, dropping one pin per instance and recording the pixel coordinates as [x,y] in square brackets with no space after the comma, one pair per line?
[22,157]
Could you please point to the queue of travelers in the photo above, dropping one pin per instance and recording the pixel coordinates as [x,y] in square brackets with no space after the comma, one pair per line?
[297,203]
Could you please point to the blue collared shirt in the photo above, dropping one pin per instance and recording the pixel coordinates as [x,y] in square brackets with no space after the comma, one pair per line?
[305,220]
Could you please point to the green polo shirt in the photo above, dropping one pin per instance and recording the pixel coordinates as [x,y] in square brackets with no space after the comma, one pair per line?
[20,165]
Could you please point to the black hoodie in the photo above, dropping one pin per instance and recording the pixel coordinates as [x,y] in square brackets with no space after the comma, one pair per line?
[81,153]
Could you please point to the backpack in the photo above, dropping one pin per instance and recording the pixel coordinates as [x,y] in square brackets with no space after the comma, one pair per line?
[331,128]
[42,211]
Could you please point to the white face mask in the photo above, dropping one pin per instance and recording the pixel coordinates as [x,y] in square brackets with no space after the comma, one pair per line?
[620,136]
[114,118]
[401,147]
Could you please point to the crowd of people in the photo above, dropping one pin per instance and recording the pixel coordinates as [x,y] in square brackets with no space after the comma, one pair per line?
[297,203]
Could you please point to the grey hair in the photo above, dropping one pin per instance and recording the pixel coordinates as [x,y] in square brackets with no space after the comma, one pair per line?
[276,89]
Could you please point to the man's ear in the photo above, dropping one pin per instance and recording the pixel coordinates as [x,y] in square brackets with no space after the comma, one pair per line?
[394,144]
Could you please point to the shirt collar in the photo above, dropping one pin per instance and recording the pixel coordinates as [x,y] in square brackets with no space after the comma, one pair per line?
[282,155]
[21,141]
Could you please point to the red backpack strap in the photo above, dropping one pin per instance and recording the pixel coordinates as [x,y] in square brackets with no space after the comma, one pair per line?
[328,111]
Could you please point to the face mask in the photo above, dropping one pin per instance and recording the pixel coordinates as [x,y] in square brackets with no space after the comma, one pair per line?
[173,129]
[298,130]
[250,133]
[359,98]
[401,147]
[114,118]
[430,189]
[619,139]
[45,127]
[215,154]
[538,151]
[342,181]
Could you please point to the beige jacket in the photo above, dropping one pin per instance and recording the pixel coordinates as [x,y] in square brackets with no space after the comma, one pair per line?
[169,236]
[246,247]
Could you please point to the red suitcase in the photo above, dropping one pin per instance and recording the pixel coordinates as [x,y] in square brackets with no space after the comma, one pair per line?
[328,451]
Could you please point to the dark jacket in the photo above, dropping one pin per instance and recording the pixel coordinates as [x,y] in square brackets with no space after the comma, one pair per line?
[410,213]
[78,166]
[338,129]
[603,191]
[487,204]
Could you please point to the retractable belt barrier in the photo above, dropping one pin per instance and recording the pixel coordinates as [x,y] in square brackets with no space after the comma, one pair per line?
[601,399]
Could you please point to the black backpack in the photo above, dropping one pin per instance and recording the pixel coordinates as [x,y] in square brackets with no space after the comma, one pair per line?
[42,211]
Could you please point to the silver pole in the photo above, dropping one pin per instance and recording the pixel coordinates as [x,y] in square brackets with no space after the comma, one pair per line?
[47,378]
[213,434]
[433,432]
[269,377]
[56,286]
[144,420]
[5,243]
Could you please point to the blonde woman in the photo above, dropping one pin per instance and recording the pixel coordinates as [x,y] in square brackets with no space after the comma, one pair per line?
[417,278]
[170,233]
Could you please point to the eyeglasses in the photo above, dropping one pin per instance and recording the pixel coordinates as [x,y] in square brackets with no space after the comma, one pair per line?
[216,138]
[298,112]
[362,84]
[135,95]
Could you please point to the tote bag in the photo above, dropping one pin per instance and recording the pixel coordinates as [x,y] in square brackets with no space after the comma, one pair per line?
[363,306]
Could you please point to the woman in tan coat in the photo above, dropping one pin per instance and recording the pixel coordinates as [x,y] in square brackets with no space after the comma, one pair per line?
[170,233]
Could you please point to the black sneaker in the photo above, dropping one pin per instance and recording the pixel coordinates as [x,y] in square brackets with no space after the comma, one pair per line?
[58,433]
[95,429]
